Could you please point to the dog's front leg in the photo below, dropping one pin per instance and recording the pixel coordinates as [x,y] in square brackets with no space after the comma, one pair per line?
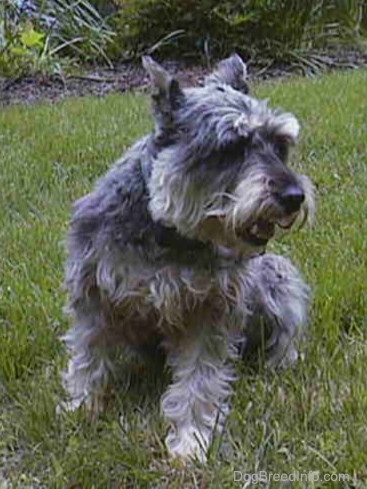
[196,402]
[278,304]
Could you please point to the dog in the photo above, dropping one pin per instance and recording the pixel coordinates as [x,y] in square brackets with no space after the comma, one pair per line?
[168,252]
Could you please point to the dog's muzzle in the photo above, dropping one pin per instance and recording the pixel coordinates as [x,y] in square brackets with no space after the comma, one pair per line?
[290,201]
[258,234]
[262,230]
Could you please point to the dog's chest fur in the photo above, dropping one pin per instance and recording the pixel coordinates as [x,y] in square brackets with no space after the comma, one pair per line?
[150,276]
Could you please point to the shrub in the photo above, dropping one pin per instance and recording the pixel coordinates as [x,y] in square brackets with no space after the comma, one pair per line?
[276,29]
[75,27]
[35,33]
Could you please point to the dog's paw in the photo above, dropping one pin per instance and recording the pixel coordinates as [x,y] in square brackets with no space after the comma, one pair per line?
[93,406]
[289,359]
[188,444]
[282,360]
[69,406]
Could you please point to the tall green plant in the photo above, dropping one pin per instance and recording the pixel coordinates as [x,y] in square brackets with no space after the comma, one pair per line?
[76,27]
[278,29]
[22,46]
[43,36]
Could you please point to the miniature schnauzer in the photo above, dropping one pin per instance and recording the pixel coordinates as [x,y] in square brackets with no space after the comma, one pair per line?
[168,252]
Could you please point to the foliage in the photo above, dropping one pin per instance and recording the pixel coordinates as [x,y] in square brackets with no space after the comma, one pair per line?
[110,30]
[77,27]
[22,47]
[309,418]
[35,33]
[276,29]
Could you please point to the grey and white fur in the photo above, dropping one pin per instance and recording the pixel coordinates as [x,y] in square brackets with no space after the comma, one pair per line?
[168,252]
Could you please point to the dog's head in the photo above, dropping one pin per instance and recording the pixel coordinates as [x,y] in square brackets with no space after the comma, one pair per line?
[220,171]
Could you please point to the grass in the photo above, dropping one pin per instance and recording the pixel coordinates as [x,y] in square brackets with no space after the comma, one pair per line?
[311,418]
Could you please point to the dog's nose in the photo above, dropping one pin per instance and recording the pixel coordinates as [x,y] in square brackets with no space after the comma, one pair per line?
[291,198]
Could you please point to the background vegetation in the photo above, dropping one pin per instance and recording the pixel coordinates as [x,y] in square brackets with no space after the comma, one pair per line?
[275,29]
[311,418]
[44,35]
[49,36]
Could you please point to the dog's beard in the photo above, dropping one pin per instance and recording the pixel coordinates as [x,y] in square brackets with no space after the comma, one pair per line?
[242,219]
[244,224]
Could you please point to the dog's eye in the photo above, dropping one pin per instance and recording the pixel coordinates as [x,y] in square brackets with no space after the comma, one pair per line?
[281,148]
[235,149]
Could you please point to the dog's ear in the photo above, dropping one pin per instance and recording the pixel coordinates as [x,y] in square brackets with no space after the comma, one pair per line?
[230,71]
[166,91]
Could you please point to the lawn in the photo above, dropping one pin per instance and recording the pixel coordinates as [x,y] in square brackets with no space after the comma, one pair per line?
[310,418]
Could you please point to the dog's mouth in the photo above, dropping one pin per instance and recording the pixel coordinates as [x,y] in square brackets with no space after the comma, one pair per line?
[261,231]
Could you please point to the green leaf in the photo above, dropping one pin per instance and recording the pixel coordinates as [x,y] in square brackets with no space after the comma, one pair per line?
[31,38]
[18,50]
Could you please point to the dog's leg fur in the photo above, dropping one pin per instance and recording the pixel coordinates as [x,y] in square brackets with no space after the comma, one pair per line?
[278,308]
[88,369]
[195,403]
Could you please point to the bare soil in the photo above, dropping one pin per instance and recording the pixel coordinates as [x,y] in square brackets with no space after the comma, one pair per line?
[99,81]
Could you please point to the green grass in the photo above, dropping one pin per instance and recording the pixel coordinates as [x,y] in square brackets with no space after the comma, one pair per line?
[311,418]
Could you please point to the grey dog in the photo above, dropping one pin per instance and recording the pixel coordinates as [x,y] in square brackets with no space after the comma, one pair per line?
[168,252]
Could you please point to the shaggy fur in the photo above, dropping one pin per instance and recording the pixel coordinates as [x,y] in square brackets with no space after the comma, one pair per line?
[168,252]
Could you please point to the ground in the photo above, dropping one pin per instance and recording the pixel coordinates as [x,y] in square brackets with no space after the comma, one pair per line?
[101,81]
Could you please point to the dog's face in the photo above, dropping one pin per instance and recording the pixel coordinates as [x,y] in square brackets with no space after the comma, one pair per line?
[221,167]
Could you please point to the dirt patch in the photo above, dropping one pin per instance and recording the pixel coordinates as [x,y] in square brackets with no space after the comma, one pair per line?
[101,81]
